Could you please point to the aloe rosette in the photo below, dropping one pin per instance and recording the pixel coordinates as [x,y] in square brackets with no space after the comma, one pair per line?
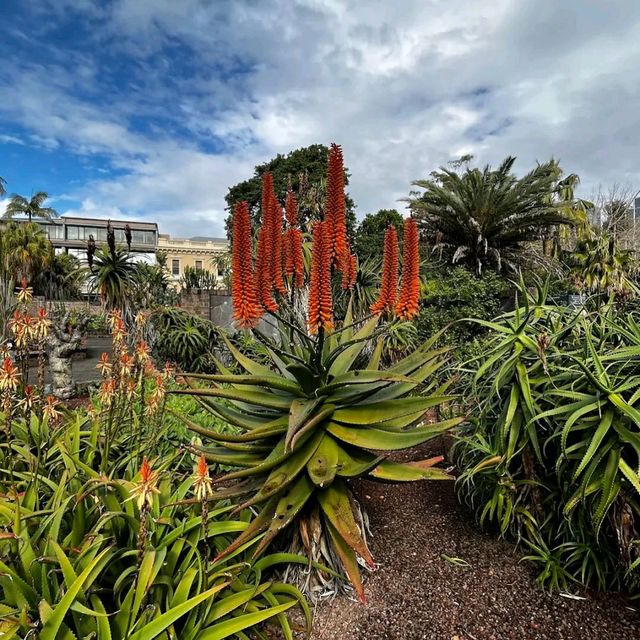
[312,422]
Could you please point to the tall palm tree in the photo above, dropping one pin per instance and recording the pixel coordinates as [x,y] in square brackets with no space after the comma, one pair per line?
[488,218]
[3,182]
[113,278]
[19,205]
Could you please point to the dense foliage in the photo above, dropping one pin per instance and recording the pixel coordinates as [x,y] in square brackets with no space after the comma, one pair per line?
[370,232]
[304,171]
[552,458]
[183,339]
[451,297]
[99,542]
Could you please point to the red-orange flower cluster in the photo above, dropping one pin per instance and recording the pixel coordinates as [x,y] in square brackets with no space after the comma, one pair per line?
[389,286]
[276,242]
[269,255]
[293,258]
[320,313]
[246,308]
[349,276]
[335,213]
[409,300]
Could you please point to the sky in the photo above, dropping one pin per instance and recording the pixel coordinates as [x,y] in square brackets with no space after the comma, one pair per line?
[152,109]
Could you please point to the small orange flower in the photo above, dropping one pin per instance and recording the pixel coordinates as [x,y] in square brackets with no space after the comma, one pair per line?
[126,364]
[156,397]
[246,309]
[22,329]
[104,366]
[28,401]
[389,285]
[9,375]
[131,389]
[320,311]
[202,483]
[25,292]
[107,391]
[408,304]
[42,325]
[118,330]
[147,487]
[113,318]
[169,371]
[50,409]
[142,352]
[141,319]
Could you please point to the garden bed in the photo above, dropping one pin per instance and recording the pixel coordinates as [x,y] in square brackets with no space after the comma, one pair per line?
[417,594]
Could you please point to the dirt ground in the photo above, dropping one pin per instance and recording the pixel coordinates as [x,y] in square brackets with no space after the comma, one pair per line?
[417,594]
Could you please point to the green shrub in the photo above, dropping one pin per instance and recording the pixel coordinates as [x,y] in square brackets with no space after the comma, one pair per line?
[186,340]
[551,455]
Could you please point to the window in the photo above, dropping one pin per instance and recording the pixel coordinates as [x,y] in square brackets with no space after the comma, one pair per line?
[56,231]
[175,267]
[199,265]
[72,233]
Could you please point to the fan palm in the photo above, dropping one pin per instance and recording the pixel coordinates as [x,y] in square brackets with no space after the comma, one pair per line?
[19,205]
[113,276]
[487,218]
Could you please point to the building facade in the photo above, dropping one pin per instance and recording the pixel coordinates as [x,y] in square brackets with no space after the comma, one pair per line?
[205,253]
[71,234]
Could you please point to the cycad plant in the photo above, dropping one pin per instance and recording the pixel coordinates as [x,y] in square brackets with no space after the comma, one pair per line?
[599,267]
[112,277]
[488,218]
[322,411]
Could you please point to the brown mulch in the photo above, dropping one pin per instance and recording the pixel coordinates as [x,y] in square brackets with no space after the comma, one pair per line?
[416,594]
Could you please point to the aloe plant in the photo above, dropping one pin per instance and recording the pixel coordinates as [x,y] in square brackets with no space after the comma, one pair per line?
[320,416]
[88,562]
[553,455]
[319,411]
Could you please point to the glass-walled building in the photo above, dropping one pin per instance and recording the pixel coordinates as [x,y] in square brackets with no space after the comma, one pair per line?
[71,235]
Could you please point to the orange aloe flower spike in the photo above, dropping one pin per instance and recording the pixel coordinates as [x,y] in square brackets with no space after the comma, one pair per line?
[320,310]
[408,304]
[335,213]
[389,285]
[246,308]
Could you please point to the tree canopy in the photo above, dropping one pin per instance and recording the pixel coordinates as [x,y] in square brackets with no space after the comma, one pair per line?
[370,232]
[305,170]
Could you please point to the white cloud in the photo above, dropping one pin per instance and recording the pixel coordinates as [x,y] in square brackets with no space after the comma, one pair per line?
[403,86]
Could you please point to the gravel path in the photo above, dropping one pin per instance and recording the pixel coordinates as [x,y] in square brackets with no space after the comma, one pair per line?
[417,594]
